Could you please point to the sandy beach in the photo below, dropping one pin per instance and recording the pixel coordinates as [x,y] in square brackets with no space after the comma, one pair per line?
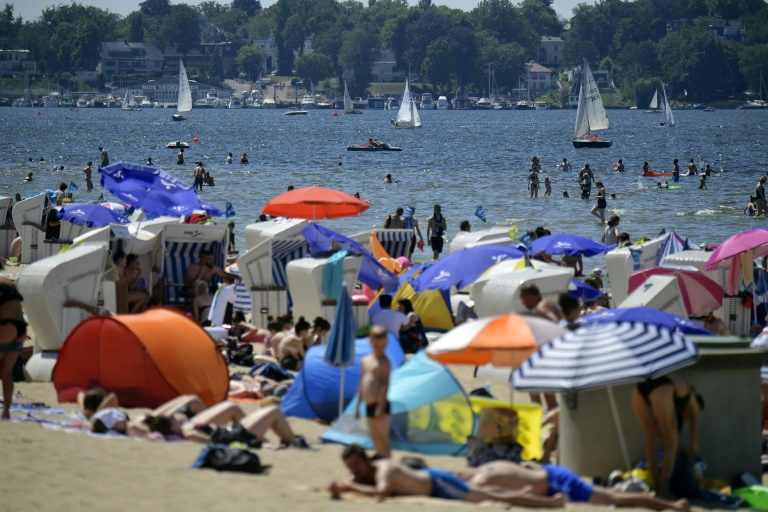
[53,470]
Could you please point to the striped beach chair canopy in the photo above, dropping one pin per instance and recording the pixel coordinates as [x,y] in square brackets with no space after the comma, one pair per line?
[182,244]
[264,265]
[395,241]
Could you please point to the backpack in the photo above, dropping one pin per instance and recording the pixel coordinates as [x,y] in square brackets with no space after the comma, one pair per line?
[223,458]
[235,434]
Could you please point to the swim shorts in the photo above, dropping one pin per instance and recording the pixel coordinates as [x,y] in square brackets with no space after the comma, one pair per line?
[436,242]
[370,410]
[447,486]
[563,480]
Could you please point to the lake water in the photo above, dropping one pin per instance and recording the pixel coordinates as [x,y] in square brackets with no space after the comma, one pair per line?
[461,159]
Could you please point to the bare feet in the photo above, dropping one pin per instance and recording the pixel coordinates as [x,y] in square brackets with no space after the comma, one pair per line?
[682,505]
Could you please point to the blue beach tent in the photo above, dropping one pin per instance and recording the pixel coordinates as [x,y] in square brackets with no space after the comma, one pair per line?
[315,392]
[431,413]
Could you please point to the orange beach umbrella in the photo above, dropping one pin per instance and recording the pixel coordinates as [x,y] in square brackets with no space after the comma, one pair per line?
[504,341]
[314,203]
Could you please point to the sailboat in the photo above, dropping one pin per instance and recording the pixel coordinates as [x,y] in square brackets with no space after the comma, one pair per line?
[653,108]
[667,110]
[408,115]
[590,114]
[128,101]
[349,107]
[184,99]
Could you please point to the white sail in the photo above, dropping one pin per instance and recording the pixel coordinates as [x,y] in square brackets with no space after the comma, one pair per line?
[582,123]
[655,101]
[667,108]
[126,100]
[349,107]
[184,101]
[404,114]
[415,114]
[598,119]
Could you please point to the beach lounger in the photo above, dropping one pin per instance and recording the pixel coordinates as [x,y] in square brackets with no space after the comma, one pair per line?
[263,270]
[499,295]
[29,219]
[6,228]
[182,244]
[305,278]
[59,293]
[395,241]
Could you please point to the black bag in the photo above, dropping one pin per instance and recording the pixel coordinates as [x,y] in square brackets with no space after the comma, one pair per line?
[235,434]
[223,458]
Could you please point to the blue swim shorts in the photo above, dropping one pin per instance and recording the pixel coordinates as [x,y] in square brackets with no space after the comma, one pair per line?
[447,486]
[563,480]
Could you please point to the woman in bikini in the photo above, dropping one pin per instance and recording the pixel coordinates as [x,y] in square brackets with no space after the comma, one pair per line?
[661,406]
[13,332]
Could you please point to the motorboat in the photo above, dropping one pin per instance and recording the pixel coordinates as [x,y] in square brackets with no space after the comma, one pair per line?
[426,101]
[51,101]
[177,144]
[484,104]
[541,105]
[709,109]
[145,103]
[392,104]
[324,103]
[373,146]
[295,112]
[82,103]
[308,101]
[442,103]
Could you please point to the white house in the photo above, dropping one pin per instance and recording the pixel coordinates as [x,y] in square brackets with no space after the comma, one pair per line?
[551,50]
[541,77]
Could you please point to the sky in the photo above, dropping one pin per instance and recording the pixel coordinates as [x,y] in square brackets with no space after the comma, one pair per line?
[31,9]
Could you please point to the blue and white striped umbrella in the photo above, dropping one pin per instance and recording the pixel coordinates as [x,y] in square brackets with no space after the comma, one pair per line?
[602,355]
[340,351]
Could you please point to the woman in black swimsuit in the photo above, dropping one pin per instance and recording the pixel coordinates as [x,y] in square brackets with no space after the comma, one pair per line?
[661,406]
[13,332]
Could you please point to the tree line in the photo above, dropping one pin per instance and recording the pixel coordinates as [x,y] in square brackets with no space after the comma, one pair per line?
[641,42]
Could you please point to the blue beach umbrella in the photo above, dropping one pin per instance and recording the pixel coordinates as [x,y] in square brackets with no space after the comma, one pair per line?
[91,215]
[583,291]
[323,241]
[567,243]
[645,315]
[340,351]
[152,190]
[463,267]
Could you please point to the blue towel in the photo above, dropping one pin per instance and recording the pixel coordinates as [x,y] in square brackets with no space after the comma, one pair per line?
[333,275]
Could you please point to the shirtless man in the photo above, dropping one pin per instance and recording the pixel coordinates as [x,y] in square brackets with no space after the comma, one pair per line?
[531,298]
[692,171]
[199,275]
[395,221]
[553,480]
[374,385]
[383,478]
[104,156]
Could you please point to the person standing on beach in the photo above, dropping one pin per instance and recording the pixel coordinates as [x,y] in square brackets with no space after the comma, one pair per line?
[411,222]
[676,171]
[760,202]
[104,156]
[13,332]
[395,221]
[87,171]
[601,204]
[374,385]
[436,226]
[198,174]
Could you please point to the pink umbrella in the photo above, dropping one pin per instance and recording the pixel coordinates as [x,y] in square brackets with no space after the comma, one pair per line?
[738,252]
[700,293]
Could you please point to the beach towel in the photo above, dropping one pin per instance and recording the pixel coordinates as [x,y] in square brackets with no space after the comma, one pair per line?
[333,274]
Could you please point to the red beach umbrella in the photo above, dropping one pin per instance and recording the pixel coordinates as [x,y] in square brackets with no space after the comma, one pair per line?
[314,203]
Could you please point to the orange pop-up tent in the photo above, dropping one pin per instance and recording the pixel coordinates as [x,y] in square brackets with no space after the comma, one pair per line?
[145,359]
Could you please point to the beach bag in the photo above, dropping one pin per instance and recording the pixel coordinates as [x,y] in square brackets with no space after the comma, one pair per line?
[224,458]
[235,434]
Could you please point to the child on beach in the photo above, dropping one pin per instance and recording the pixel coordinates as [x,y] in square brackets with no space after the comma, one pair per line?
[374,385]
[548,186]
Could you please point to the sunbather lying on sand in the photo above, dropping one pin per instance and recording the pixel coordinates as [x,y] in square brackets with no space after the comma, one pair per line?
[383,477]
[551,480]
[186,417]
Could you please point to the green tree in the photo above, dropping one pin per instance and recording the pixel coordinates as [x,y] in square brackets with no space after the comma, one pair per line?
[314,66]
[293,33]
[753,61]
[541,16]
[182,28]
[9,24]
[155,7]
[250,60]
[439,63]
[358,53]
[136,30]
[249,7]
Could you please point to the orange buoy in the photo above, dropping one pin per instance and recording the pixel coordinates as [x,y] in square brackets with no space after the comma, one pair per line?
[196,139]
[335,113]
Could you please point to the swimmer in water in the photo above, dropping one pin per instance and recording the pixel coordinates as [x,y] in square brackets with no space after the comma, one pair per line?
[389,179]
